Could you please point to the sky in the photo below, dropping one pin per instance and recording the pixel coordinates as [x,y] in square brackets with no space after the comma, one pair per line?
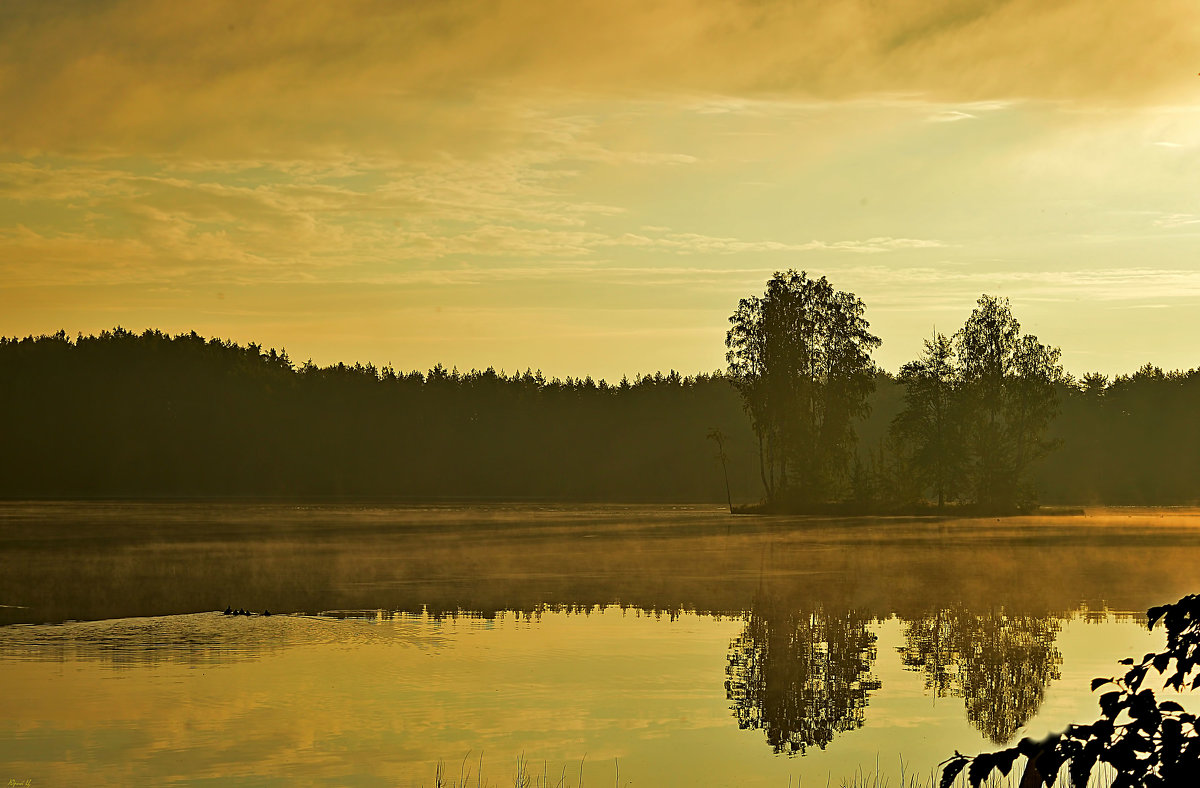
[588,187]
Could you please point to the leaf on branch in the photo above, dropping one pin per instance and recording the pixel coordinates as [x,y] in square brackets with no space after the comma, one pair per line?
[951,768]
[1110,703]
[981,767]
[1005,759]
[1049,764]
[1028,747]
[1081,767]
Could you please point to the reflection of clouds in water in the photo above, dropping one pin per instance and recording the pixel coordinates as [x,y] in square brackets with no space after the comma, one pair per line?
[375,694]
[215,638]
[207,638]
[357,699]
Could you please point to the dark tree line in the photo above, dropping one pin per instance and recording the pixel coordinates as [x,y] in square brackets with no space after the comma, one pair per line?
[1133,439]
[150,414]
[1128,440]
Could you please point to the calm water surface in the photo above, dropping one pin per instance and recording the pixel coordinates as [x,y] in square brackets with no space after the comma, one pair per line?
[681,646]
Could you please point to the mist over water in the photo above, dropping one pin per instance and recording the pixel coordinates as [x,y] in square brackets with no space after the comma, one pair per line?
[689,645]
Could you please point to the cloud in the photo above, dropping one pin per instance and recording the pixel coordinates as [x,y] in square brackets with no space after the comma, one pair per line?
[350,219]
[951,287]
[598,152]
[695,243]
[239,80]
[950,116]
[1176,220]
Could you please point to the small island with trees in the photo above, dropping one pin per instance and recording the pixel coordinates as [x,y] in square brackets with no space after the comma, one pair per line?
[977,405]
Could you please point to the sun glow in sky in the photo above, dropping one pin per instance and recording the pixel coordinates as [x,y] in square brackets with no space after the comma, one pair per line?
[589,187]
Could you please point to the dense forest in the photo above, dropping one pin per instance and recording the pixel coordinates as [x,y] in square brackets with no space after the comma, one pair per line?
[128,414]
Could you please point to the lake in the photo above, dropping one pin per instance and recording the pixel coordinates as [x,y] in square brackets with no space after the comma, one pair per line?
[620,645]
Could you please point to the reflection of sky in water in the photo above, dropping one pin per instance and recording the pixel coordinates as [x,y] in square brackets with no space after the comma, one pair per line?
[379,699]
[203,638]
[141,695]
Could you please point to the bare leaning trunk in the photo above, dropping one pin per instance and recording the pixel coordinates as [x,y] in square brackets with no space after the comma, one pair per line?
[728,494]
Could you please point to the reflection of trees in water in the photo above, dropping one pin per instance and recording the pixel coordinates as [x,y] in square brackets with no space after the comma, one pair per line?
[1000,664]
[801,676]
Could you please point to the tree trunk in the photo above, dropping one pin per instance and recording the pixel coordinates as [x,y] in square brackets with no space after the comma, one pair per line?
[768,487]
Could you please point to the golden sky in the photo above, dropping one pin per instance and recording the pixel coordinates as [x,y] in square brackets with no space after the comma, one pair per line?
[588,187]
